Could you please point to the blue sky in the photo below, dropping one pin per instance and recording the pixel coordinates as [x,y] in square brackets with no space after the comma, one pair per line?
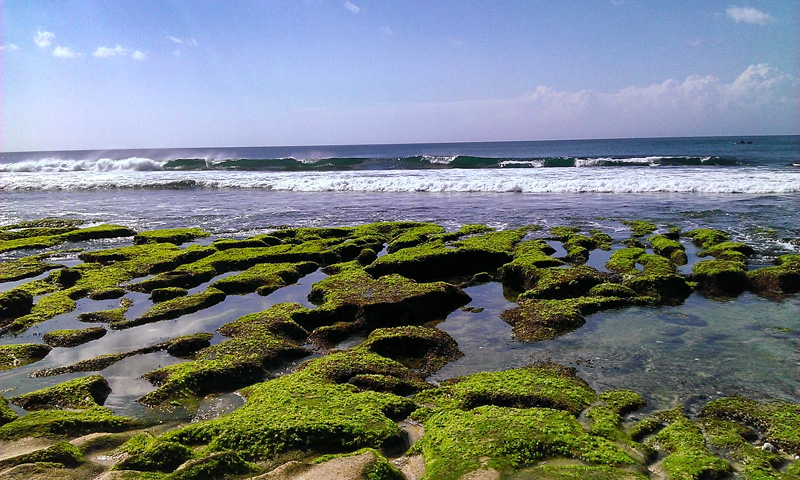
[146,74]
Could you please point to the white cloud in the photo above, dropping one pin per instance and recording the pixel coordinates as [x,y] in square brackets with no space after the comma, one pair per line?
[103,52]
[43,39]
[175,39]
[192,42]
[748,15]
[9,47]
[177,53]
[352,7]
[65,52]
[137,55]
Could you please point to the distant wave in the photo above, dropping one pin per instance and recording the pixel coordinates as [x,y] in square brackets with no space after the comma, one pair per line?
[748,180]
[417,162]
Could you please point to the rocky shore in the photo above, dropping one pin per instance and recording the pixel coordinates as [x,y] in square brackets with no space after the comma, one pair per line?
[318,404]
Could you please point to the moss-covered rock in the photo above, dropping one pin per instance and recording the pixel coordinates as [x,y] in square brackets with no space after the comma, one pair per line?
[158,295]
[388,301]
[52,238]
[720,277]
[175,236]
[216,465]
[606,416]
[707,237]
[6,414]
[611,290]
[536,319]
[366,371]
[188,345]
[107,316]
[669,248]
[174,308]
[414,236]
[85,392]
[658,279]
[640,228]
[437,260]
[17,355]
[541,385]
[779,422]
[753,462]
[300,412]
[688,457]
[555,283]
[264,278]
[62,453]
[426,349]
[25,267]
[14,303]
[65,423]
[458,442]
[153,456]
[529,258]
[781,279]
[73,338]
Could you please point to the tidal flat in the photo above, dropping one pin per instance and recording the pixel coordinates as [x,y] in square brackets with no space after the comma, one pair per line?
[397,350]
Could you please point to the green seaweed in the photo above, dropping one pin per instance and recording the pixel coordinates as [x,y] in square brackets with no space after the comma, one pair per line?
[707,237]
[6,413]
[640,228]
[537,320]
[540,385]
[73,337]
[667,247]
[457,442]
[153,455]
[725,277]
[174,308]
[25,267]
[175,236]
[778,421]
[65,423]
[62,453]
[264,278]
[84,392]
[17,355]
[427,349]
[779,280]
[555,283]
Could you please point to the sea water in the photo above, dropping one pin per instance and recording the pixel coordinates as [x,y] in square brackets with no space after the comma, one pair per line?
[685,354]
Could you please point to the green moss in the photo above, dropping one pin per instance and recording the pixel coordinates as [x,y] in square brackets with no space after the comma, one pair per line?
[778,421]
[624,260]
[529,257]
[158,295]
[61,423]
[427,349]
[216,465]
[541,385]
[755,462]
[61,453]
[782,279]
[563,233]
[60,235]
[376,467]
[658,279]
[174,308]
[457,442]
[557,283]
[435,259]
[17,355]
[73,338]
[576,472]
[601,240]
[720,276]
[606,416]
[611,290]
[154,456]
[667,247]
[108,316]
[261,241]
[25,267]
[688,457]
[707,237]
[175,236]
[721,249]
[365,370]
[391,300]
[45,223]
[640,228]
[85,392]
[298,412]
[414,236]
[536,320]
[6,414]
[14,303]
[264,278]
[468,229]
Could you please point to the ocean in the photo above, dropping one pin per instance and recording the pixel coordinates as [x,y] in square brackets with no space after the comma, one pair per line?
[683,354]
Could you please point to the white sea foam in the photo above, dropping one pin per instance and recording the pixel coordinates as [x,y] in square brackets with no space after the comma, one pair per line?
[439,160]
[134,164]
[540,180]
[593,162]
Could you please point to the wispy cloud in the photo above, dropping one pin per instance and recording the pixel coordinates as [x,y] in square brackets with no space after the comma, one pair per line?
[137,55]
[65,52]
[175,39]
[10,47]
[352,7]
[43,39]
[748,15]
[103,52]
[184,41]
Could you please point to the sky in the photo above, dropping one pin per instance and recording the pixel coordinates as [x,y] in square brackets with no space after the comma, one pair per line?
[89,74]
